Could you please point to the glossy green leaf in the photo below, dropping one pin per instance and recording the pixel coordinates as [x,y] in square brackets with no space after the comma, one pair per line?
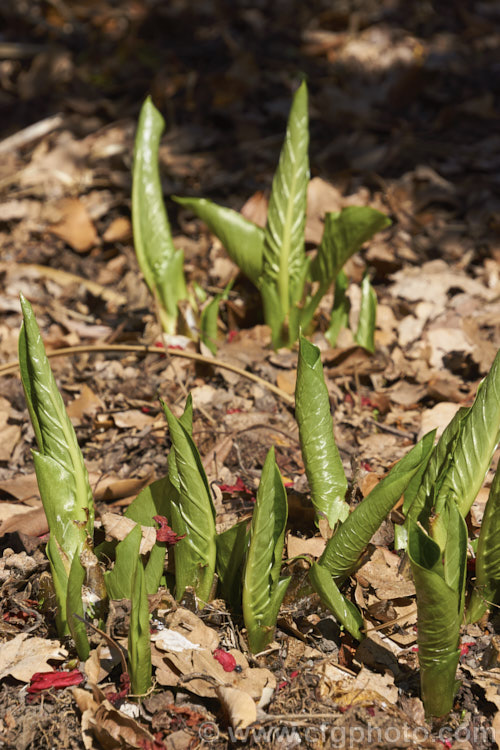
[119,580]
[152,501]
[74,606]
[284,256]
[160,263]
[421,502]
[186,421]
[208,324]
[344,549]
[365,334]
[340,312]
[243,240]
[209,318]
[461,459]
[344,234]
[346,613]
[323,465]
[263,590]
[476,443]
[192,514]
[486,591]
[61,473]
[231,550]
[440,594]
[139,645]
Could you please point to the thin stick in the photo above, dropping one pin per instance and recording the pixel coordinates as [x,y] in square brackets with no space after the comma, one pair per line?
[31,133]
[12,367]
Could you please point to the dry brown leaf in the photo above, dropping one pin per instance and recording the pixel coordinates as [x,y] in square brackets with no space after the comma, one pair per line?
[187,648]
[437,418]
[238,705]
[321,198]
[381,572]
[407,394]
[255,209]
[74,225]
[31,523]
[110,488]
[286,381]
[120,230]
[114,730]
[87,403]
[118,527]
[132,418]
[9,510]
[368,482]
[87,706]
[214,459]
[382,684]
[24,655]
[101,662]
[296,546]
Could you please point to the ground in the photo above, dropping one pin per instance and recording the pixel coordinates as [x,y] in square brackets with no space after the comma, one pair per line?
[404,109]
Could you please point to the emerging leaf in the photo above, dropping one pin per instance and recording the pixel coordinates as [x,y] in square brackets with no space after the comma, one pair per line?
[344,234]
[243,240]
[324,469]
[284,256]
[461,459]
[477,440]
[345,611]
[61,473]
[139,645]
[160,263]
[440,597]
[486,591]
[191,513]
[119,580]
[231,549]
[365,335]
[263,589]
[344,549]
[152,501]
[340,311]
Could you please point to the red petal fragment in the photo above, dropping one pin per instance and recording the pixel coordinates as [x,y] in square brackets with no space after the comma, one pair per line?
[165,533]
[46,680]
[238,487]
[227,661]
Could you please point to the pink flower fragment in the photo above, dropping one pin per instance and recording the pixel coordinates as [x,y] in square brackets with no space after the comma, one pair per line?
[238,487]
[227,661]
[464,648]
[46,680]
[165,533]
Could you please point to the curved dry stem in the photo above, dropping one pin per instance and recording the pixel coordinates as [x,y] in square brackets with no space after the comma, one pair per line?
[11,367]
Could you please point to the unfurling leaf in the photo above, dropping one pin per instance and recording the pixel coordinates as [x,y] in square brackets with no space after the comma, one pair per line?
[343,551]
[486,593]
[324,469]
[191,511]
[61,473]
[263,589]
[284,260]
[365,334]
[160,263]
[344,234]
[243,240]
